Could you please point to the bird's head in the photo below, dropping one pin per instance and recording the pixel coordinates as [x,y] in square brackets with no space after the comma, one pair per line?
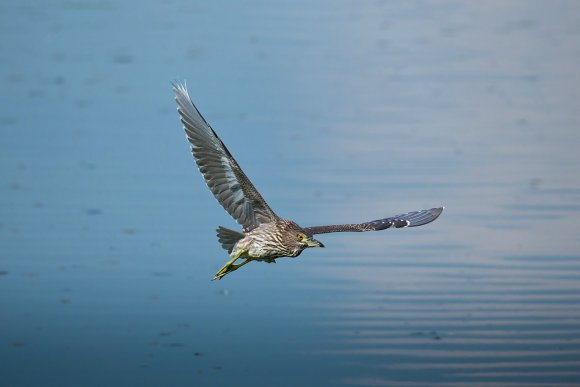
[296,239]
[301,241]
[307,241]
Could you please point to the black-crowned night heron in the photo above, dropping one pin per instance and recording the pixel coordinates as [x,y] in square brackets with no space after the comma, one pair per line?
[265,235]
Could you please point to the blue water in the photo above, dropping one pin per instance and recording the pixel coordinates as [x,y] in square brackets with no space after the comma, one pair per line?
[339,112]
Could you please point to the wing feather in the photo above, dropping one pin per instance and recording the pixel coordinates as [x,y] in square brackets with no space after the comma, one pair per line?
[410,219]
[223,175]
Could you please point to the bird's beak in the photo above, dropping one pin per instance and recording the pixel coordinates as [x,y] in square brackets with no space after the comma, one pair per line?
[313,243]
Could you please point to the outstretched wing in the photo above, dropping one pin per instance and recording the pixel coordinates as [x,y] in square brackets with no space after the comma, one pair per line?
[410,219]
[223,175]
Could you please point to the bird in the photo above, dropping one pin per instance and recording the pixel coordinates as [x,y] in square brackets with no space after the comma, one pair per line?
[265,236]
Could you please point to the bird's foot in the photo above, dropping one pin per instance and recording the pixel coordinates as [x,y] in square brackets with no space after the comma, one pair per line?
[228,268]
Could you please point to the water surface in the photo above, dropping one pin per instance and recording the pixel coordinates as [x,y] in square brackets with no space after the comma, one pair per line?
[339,112]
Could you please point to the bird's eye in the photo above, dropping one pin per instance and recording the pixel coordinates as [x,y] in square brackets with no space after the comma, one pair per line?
[300,237]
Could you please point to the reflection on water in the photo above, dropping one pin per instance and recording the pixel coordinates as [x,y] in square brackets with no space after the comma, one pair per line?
[363,110]
[514,319]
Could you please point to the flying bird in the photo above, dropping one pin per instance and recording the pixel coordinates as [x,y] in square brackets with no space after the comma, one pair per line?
[265,236]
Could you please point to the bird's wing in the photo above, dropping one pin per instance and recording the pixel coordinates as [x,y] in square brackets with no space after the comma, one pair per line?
[223,175]
[410,219]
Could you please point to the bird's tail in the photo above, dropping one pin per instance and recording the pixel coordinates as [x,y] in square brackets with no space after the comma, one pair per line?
[228,238]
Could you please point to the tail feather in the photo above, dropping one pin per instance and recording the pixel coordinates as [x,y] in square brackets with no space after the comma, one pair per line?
[228,238]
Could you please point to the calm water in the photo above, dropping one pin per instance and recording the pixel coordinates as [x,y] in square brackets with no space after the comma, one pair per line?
[361,109]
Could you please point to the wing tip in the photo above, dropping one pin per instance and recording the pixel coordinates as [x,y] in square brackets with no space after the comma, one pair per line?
[434,214]
[180,90]
[179,85]
[423,217]
[437,211]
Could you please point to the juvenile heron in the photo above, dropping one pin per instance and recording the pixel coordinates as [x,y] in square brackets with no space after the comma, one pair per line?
[265,236]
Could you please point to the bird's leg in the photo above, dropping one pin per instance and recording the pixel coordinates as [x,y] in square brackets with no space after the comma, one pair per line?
[226,270]
[229,266]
